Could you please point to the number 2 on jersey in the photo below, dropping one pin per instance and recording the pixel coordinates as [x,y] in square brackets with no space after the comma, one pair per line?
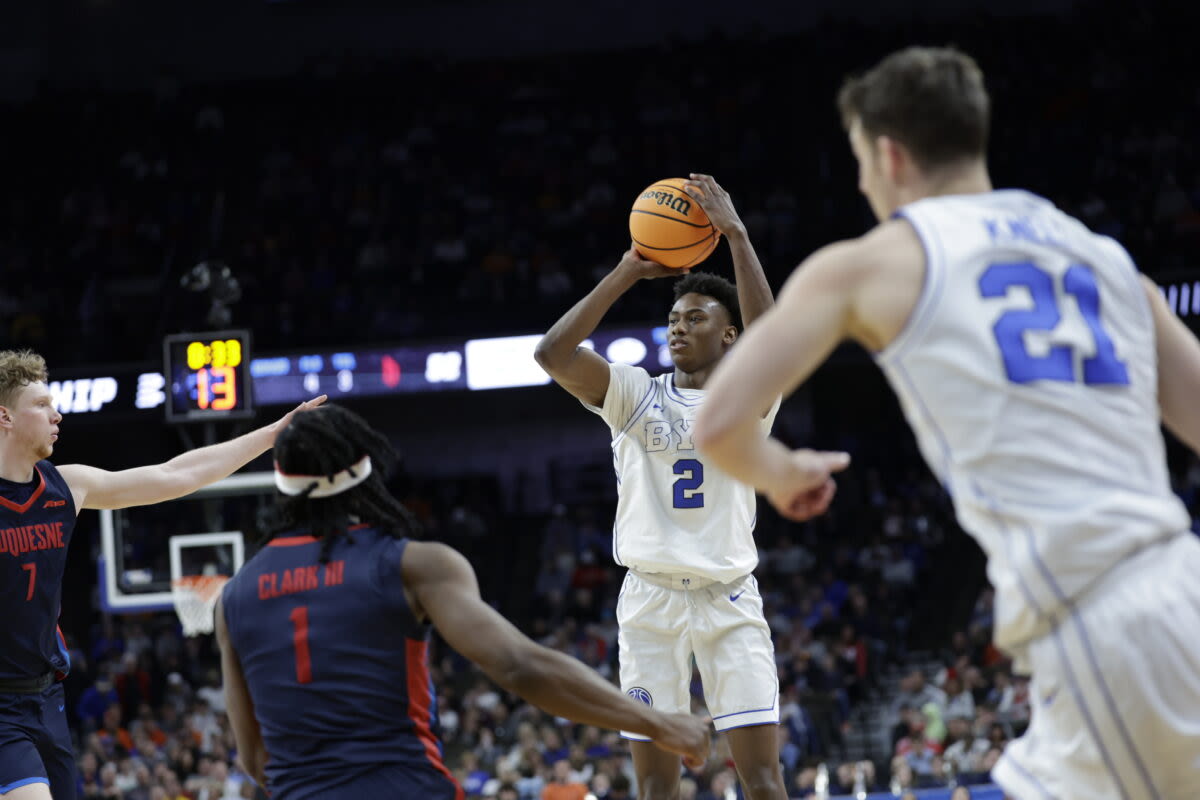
[1058,364]
[693,472]
[299,617]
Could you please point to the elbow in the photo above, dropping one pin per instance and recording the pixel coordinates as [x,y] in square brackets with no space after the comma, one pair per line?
[543,354]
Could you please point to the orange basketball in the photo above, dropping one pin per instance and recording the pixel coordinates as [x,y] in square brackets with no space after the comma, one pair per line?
[669,227]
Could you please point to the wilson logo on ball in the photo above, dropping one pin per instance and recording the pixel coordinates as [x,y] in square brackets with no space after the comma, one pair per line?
[679,204]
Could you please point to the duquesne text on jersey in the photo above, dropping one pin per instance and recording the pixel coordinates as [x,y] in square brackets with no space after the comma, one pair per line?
[27,538]
[300,579]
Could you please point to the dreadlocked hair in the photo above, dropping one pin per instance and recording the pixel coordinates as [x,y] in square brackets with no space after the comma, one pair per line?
[713,286]
[323,442]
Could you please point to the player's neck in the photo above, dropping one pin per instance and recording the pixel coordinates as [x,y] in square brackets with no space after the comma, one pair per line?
[693,380]
[970,178]
[14,467]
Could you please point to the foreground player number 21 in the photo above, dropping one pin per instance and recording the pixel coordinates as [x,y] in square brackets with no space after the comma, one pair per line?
[684,489]
[299,617]
[1058,364]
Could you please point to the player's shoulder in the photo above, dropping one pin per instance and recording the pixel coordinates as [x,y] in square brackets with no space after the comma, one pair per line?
[631,378]
[432,562]
[881,252]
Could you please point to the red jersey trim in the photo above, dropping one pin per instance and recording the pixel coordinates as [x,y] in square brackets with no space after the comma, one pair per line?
[23,507]
[420,701]
[291,541]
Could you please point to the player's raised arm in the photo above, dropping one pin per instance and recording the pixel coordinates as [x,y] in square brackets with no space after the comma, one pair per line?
[813,315]
[754,293]
[444,587]
[1178,370]
[251,751]
[184,474]
[577,369]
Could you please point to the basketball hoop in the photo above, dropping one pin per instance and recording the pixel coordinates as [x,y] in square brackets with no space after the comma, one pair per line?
[195,597]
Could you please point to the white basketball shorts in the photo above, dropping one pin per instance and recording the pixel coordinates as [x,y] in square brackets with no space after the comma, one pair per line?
[665,620]
[1115,694]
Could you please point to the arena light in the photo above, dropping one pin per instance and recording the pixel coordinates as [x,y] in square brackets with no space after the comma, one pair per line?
[505,362]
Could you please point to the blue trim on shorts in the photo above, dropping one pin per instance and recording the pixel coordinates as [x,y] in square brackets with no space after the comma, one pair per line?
[1077,692]
[1029,776]
[751,711]
[748,725]
[1098,673]
[635,738]
[23,782]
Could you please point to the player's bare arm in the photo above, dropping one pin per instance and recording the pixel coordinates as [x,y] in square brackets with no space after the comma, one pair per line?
[98,488]
[1178,370]
[578,369]
[754,293]
[863,289]
[444,590]
[252,753]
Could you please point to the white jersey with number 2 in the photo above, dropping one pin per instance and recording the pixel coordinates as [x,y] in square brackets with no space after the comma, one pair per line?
[675,513]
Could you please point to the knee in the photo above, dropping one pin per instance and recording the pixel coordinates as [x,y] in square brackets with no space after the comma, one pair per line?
[655,787]
[764,783]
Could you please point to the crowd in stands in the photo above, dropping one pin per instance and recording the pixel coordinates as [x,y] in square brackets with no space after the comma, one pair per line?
[429,198]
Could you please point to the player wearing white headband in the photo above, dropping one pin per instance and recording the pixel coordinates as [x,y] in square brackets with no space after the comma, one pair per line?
[324,635]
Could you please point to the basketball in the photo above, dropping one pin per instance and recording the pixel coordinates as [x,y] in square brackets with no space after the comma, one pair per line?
[670,227]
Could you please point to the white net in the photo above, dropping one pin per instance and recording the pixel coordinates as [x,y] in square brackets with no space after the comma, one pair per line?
[195,598]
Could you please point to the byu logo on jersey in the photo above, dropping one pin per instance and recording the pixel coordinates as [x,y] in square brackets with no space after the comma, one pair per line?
[641,695]
[659,433]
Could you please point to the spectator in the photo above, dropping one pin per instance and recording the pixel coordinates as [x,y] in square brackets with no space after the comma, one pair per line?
[959,702]
[96,699]
[561,787]
[965,752]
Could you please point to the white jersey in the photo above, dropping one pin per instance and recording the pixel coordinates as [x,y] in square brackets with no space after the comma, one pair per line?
[1029,374]
[675,514]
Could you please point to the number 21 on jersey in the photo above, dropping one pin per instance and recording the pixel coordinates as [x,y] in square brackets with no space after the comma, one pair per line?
[1058,364]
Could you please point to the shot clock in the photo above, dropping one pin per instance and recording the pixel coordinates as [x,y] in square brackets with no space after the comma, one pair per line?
[208,376]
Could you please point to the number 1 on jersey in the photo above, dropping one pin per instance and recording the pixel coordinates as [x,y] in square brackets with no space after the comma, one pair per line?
[693,472]
[299,617]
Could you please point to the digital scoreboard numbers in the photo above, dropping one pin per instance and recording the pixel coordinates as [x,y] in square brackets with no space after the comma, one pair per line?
[208,376]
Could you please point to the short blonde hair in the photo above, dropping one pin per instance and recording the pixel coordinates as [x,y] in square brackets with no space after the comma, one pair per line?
[18,369]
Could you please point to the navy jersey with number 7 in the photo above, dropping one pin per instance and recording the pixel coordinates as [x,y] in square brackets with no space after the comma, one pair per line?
[336,666]
[36,522]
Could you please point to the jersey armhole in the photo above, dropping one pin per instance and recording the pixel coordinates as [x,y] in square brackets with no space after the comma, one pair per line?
[932,284]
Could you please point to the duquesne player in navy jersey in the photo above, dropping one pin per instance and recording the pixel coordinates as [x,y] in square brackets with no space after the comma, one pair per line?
[38,506]
[324,633]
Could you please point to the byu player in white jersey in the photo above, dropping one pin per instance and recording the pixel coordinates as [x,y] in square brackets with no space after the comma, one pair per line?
[684,528]
[1034,365]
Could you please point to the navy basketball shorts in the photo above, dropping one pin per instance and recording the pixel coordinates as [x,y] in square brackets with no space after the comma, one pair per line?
[35,743]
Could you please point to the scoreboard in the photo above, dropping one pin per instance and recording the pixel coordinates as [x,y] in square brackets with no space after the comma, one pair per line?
[207,376]
[216,375]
